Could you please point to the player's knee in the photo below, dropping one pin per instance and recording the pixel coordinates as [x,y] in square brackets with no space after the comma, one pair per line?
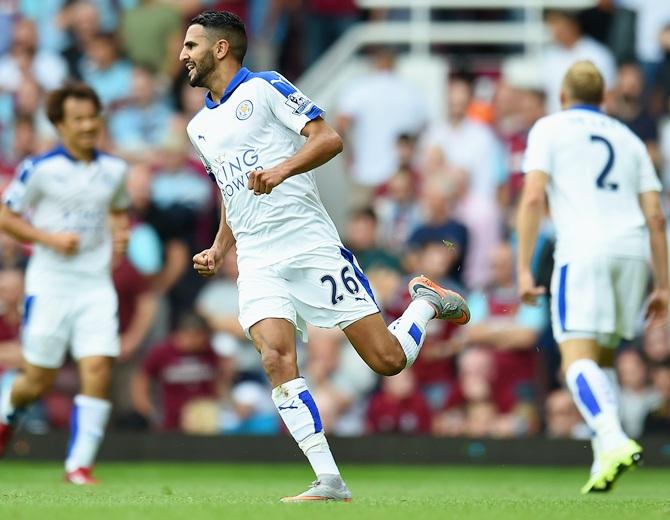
[389,363]
[276,359]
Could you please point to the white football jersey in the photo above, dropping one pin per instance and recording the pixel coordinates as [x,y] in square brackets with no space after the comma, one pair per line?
[61,194]
[597,169]
[256,126]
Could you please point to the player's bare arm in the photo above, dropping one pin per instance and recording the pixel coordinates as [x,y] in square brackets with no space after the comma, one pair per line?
[207,262]
[323,143]
[657,308]
[16,226]
[529,217]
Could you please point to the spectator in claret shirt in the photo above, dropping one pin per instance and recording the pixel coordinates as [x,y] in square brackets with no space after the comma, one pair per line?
[399,407]
[184,368]
[480,406]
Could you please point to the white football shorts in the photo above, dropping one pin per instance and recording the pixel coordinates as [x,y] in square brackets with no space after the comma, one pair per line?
[324,287]
[85,321]
[598,298]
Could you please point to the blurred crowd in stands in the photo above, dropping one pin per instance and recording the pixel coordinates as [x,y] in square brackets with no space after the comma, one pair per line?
[435,195]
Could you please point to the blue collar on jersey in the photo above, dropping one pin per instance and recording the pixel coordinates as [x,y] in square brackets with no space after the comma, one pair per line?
[61,150]
[239,78]
[592,108]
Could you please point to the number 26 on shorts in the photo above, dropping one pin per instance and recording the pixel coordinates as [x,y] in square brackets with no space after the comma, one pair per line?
[349,282]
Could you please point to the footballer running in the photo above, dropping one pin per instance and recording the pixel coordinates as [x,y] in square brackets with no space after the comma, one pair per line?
[604,195]
[260,139]
[71,204]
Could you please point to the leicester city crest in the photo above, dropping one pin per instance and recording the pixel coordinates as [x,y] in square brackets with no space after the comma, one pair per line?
[244,110]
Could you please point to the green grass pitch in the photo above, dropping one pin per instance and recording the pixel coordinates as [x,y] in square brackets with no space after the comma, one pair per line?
[246,492]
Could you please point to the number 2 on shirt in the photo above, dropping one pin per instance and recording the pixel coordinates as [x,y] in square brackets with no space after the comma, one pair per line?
[601,181]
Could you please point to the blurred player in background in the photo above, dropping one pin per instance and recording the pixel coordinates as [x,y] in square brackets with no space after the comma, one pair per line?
[602,191]
[71,204]
[260,138]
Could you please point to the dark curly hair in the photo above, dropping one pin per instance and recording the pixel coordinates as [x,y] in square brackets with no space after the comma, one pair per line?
[228,26]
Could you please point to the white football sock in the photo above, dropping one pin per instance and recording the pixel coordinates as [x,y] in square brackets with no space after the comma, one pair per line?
[594,396]
[87,429]
[301,416]
[410,328]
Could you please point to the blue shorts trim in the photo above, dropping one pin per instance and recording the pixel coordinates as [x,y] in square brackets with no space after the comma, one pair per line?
[349,257]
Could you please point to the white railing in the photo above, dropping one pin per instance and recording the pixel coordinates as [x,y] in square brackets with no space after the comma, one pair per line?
[419,32]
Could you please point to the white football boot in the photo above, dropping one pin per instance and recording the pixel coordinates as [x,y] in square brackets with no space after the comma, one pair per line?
[324,488]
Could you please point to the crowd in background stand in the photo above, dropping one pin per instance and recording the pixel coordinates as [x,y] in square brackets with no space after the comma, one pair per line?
[436,196]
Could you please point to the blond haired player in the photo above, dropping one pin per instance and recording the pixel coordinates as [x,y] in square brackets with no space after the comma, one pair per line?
[603,196]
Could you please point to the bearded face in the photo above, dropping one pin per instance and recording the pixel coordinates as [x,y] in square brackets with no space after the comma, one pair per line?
[198,56]
[199,71]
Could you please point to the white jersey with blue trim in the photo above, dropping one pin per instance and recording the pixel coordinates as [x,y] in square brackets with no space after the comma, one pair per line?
[61,194]
[597,169]
[256,126]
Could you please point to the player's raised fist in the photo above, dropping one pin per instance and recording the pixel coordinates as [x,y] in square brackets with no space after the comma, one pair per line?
[264,181]
[63,243]
[207,262]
